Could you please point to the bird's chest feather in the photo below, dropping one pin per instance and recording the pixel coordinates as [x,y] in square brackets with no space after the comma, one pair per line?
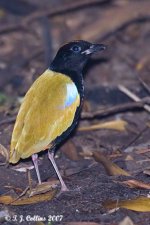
[71,94]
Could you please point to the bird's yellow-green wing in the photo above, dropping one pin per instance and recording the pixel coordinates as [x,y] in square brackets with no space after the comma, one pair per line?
[47,111]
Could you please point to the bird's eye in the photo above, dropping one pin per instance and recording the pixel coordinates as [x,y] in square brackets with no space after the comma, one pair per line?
[76,48]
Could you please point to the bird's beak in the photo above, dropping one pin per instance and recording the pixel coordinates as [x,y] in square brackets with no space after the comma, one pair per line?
[94,48]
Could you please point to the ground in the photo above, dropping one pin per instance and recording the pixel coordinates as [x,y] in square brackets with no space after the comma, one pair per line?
[26,50]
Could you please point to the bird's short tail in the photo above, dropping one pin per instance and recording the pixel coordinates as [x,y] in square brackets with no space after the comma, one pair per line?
[14,156]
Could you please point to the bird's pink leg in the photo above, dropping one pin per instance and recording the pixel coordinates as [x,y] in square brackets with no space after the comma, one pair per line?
[35,162]
[63,185]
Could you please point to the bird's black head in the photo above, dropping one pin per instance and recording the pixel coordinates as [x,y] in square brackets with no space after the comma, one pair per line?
[74,55]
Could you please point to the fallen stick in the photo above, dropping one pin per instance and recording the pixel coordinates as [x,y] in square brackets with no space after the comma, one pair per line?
[113,110]
[133,96]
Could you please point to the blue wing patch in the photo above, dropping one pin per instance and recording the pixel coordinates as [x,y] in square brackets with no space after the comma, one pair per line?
[72,94]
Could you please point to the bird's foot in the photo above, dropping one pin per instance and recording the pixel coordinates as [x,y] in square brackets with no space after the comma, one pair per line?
[68,191]
[63,190]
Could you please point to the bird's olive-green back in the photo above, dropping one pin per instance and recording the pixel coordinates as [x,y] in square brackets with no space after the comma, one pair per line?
[43,115]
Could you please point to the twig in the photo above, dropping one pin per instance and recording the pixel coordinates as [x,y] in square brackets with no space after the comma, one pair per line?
[134,139]
[138,68]
[11,28]
[133,96]
[9,120]
[112,110]
[145,106]
[129,93]
[22,194]
[29,180]
[147,88]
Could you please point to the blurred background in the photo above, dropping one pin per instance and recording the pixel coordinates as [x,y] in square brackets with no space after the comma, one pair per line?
[31,31]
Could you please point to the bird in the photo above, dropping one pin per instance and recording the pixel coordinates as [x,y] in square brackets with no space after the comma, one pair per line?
[51,107]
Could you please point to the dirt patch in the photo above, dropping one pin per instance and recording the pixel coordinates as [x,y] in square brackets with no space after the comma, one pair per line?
[26,51]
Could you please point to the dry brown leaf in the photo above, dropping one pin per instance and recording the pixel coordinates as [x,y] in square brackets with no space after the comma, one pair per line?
[136,184]
[40,223]
[147,172]
[111,168]
[126,221]
[43,188]
[17,190]
[69,149]
[6,199]
[4,152]
[86,106]
[23,167]
[129,158]
[139,66]
[119,125]
[86,152]
[115,155]
[9,200]
[140,204]
[142,151]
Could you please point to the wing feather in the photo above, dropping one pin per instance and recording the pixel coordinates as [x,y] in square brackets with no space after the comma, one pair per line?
[43,115]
